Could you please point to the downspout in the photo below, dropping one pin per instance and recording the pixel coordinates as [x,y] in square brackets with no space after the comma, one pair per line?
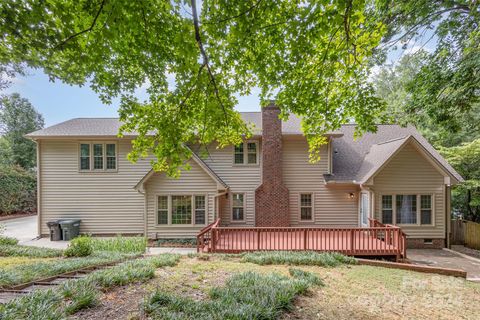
[141,191]
[447,215]
[39,200]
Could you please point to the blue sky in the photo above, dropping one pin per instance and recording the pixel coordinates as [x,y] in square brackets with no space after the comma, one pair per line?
[59,102]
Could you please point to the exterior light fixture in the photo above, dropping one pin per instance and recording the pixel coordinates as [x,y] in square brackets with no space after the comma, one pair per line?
[351,195]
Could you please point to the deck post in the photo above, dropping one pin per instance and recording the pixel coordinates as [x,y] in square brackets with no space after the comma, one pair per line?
[258,239]
[213,236]
[305,239]
[352,241]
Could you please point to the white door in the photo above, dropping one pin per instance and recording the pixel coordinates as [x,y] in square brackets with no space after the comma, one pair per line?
[364,209]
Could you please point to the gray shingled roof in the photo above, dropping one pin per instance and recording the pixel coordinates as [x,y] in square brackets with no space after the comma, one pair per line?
[354,159]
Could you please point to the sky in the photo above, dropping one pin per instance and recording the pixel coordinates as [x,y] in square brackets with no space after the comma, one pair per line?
[58,102]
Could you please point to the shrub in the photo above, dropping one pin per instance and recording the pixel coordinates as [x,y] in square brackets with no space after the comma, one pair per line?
[247,295]
[120,244]
[10,250]
[79,247]
[19,190]
[8,241]
[330,259]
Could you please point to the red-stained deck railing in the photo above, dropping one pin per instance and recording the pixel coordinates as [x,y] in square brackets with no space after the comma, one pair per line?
[376,240]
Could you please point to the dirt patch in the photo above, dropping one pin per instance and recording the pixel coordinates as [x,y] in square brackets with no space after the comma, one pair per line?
[17,215]
[120,303]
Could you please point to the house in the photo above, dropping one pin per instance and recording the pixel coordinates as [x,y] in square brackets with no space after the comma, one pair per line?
[393,175]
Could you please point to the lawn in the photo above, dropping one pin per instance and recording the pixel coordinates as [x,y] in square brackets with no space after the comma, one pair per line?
[349,292]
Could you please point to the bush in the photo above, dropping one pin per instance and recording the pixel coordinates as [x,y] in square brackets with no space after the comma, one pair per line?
[79,247]
[247,295]
[330,259]
[11,250]
[7,241]
[120,244]
[19,190]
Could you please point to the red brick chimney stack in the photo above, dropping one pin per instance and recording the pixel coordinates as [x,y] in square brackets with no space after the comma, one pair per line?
[271,197]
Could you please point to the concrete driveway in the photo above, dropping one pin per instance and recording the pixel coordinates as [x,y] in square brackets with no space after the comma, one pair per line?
[446,259]
[25,230]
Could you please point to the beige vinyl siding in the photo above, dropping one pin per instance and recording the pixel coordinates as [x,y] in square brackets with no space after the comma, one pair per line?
[240,178]
[105,201]
[410,173]
[193,182]
[332,205]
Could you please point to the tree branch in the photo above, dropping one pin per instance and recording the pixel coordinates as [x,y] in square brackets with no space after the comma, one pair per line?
[86,30]
[198,38]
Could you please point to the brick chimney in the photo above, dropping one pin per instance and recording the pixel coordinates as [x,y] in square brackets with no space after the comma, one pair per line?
[271,197]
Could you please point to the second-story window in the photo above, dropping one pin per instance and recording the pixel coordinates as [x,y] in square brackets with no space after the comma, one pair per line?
[98,156]
[246,153]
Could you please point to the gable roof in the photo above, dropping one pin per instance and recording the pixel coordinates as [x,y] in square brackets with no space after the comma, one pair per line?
[199,161]
[353,160]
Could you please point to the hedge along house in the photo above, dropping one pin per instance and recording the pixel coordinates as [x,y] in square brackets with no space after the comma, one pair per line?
[393,175]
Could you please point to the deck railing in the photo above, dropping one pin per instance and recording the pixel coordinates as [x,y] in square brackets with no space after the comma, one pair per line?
[378,240]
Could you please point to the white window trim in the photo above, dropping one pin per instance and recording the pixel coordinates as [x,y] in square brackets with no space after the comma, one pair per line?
[394,209]
[231,207]
[300,207]
[91,160]
[245,154]
[170,207]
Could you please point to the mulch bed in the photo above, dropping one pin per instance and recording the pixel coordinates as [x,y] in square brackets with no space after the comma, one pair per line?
[170,244]
[16,215]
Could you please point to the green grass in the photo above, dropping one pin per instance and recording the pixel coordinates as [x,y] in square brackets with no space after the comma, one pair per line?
[246,295]
[26,251]
[7,240]
[120,244]
[75,295]
[307,258]
[28,272]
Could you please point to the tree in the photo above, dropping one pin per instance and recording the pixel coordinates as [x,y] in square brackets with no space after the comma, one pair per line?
[447,85]
[465,158]
[392,84]
[17,118]
[311,56]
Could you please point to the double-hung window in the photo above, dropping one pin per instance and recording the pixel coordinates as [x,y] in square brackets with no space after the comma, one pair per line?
[181,209]
[407,209]
[246,153]
[238,205]
[306,207]
[98,156]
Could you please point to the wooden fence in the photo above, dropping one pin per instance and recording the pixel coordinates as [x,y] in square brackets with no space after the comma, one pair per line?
[466,233]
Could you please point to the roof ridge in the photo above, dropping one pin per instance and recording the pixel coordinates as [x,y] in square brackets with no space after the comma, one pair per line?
[392,140]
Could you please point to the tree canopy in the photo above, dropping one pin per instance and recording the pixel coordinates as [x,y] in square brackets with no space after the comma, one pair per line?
[312,57]
[17,118]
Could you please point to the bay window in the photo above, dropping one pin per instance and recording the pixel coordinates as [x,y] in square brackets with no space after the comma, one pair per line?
[407,209]
[181,210]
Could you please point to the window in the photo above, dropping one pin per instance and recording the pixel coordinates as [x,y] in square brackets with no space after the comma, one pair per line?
[387,210]
[181,209]
[199,209]
[162,210]
[84,156]
[237,206]
[252,153]
[98,156]
[246,153]
[406,209]
[239,155]
[425,209]
[111,157]
[306,206]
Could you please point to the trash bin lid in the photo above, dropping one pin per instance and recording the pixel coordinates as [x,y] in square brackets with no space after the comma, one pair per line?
[53,223]
[69,221]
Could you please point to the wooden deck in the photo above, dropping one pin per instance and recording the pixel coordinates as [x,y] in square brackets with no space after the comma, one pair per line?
[376,240]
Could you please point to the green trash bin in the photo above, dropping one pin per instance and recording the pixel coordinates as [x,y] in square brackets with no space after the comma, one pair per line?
[55,231]
[70,228]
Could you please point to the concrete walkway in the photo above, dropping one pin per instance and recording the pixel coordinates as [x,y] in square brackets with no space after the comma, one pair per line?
[23,229]
[446,259]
